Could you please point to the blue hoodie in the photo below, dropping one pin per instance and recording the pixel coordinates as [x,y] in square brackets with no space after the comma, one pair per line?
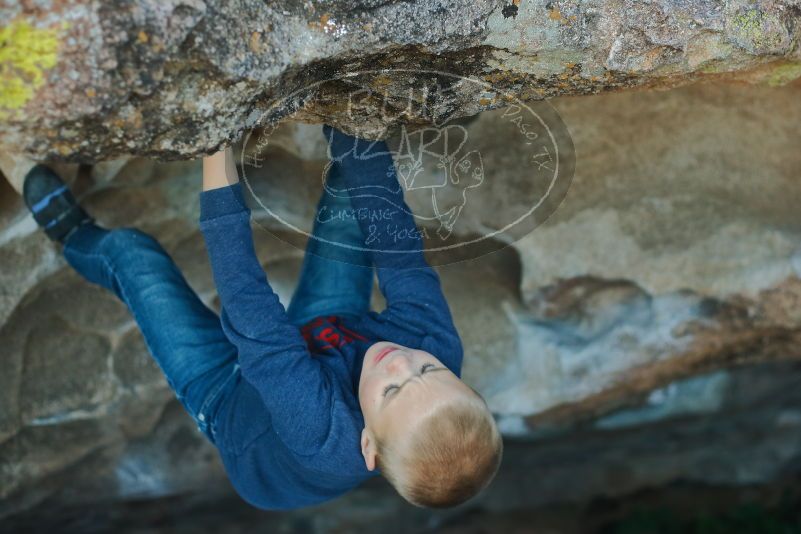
[289,433]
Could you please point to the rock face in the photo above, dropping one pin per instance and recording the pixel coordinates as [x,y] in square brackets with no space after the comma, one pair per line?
[647,333]
[89,81]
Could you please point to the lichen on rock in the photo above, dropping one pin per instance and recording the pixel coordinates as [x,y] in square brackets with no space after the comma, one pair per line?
[26,54]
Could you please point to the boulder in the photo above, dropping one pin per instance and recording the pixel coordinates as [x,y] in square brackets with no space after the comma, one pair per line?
[86,81]
[646,333]
[642,329]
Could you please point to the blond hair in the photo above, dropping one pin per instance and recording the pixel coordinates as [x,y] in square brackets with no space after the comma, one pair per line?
[453,454]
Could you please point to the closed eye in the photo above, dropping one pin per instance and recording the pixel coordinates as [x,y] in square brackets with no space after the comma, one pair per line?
[392,387]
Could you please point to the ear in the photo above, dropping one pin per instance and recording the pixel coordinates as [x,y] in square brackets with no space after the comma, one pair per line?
[368,449]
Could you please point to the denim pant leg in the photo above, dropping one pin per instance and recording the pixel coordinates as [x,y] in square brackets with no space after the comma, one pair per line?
[334,279]
[183,335]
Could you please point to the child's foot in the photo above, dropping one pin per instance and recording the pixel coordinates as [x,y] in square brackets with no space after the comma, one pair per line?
[51,203]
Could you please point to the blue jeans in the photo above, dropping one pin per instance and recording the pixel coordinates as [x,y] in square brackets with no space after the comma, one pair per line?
[334,279]
[182,334]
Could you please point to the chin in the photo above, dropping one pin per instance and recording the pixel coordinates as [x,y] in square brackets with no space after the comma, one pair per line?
[375,347]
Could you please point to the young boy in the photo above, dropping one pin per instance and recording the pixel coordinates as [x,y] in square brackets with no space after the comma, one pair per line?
[303,404]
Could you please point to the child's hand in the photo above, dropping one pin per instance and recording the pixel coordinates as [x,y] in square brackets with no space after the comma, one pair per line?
[219,170]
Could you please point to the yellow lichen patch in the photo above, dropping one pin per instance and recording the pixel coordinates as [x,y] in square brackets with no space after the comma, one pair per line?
[382,80]
[516,2]
[784,74]
[64,149]
[502,76]
[25,54]
[325,23]
[136,119]
[142,37]
[255,42]
[555,14]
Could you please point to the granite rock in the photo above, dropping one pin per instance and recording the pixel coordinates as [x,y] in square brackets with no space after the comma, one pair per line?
[646,333]
[86,81]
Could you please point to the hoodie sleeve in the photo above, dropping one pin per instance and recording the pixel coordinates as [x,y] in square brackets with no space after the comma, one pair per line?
[412,289]
[273,356]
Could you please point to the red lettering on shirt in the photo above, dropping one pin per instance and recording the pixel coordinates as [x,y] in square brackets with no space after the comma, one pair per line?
[328,332]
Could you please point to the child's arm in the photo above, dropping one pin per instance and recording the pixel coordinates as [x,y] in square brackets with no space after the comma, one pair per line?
[219,170]
[273,356]
[415,301]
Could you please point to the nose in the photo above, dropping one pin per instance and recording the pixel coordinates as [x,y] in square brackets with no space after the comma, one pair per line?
[399,362]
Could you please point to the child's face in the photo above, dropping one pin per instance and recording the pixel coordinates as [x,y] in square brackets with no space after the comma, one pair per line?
[398,385]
